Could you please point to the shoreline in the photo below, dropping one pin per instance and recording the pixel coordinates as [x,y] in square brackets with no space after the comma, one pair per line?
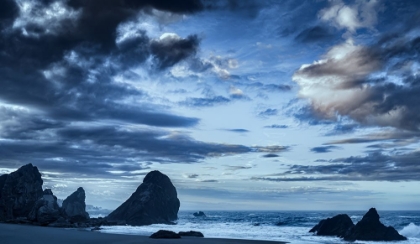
[23,234]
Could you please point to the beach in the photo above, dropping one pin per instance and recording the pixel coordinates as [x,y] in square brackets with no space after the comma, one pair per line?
[26,234]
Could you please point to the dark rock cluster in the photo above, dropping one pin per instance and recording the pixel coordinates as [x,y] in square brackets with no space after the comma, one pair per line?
[23,201]
[367,229]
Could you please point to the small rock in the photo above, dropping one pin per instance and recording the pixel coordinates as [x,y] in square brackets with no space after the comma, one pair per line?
[199,214]
[191,233]
[165,234]
[96,228]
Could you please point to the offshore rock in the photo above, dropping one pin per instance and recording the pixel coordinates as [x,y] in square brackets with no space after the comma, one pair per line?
[191,233]
[371,229]
[19,191]
[46,209]
[199,214]
[165,234]
[335,226]
[154,202]
[74,207]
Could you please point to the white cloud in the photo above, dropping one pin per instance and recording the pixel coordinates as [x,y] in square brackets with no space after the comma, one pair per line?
[363,14]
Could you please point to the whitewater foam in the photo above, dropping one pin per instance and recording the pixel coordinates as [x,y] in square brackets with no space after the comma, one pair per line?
[411,230]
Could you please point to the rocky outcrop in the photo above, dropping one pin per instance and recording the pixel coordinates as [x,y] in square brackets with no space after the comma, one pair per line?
[19,191]
[371,229]
[191,233]
[199,214]
[154,202]
[165,234]
[74,206]
[46,209]
[335,226]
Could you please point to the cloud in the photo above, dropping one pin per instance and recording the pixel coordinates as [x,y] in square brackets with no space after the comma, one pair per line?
[341,129]
[314,34]
[268,112]
[276,126]
[323,149]
[169,49]
[238,130]
[234,168]
[376,166]
[341,84]
[205,102]
[270,155]
[363,14]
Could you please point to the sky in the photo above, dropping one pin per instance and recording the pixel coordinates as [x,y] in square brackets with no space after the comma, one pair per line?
[245,105]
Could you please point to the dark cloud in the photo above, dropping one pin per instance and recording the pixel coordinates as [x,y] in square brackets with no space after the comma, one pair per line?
[205,102]
[270,155]
[323,149]
[170,50]
[268,112]
[315,34]
[238,130]
[234,168]
[276,126]
[376,166]
[341,129]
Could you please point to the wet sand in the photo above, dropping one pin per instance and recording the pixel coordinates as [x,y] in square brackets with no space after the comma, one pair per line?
[26,234]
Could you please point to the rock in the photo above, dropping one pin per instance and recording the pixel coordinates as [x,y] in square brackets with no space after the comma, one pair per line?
[96,228]
[371,229]
[191,233]
[74,206]
[165,234]
[19,191]
[199,214]
[61,223]
[335,226]
[46,209]
[154,202]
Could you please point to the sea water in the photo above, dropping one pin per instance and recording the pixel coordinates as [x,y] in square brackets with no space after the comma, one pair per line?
[287,226]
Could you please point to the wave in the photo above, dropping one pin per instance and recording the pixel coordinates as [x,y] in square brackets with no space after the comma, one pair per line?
[411,230]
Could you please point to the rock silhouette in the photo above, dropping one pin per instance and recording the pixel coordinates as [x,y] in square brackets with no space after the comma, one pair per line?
[335,226]
[19,191]
[199,214]
[74,206]
[371,229]
[154,202]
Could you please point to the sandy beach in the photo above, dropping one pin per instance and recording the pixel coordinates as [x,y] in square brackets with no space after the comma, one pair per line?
[25,234]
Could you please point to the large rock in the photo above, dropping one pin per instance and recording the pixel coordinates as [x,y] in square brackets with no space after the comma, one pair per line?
[46,209]
[154,202]
[371,229]
[19,192]
[335,226]
[74,206]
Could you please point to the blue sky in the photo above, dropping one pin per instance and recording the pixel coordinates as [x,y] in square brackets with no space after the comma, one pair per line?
[281,105]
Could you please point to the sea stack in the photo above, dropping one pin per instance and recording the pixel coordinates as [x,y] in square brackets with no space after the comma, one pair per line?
[154,202]
[19,191]
[371,229]
[74,206]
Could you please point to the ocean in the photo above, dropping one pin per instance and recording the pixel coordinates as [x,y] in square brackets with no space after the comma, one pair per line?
[290,226]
